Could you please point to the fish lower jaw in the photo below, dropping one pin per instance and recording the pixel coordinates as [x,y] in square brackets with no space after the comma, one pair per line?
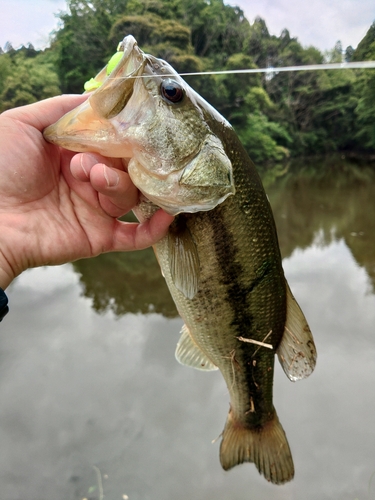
[67,143]
[181,207]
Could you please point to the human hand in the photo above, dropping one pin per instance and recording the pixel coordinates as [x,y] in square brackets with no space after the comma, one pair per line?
[57,207]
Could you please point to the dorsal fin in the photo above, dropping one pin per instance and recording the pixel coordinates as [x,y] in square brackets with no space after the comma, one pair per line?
[189,354]
[296,352]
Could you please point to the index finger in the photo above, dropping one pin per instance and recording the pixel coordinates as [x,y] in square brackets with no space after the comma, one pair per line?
[43,113]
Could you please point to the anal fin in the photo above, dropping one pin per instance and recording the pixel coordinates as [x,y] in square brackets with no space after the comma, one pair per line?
[296,351]
[189,354]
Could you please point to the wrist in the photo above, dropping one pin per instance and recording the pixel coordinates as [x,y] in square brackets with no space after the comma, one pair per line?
[13,249]
[6,272]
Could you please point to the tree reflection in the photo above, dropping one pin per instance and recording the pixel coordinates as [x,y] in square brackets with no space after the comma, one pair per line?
[126,282]
[334,199]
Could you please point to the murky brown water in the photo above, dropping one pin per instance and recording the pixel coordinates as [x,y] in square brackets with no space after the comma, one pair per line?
[93,404]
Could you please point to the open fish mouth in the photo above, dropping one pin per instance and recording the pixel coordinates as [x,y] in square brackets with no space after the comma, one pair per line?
[88,127]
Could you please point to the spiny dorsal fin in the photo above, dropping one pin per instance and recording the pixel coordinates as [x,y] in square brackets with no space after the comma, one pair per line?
[189,354]
[296,352]
[183,259]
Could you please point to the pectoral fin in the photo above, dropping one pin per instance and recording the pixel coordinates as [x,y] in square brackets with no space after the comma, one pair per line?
[183,260]
[189,354]
[296,352]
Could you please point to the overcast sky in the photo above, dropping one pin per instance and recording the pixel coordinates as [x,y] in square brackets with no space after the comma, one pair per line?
[319,22]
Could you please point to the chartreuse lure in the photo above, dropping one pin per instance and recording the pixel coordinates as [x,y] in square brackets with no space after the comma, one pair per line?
[93,84]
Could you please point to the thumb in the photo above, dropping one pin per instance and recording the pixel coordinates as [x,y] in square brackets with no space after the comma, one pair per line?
[130,236]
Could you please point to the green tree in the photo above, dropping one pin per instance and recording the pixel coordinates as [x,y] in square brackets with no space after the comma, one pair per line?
[335,55]
[365,111]
[28,79]
[165,38]
[265,140]
[82,43]
[295,93]
[258,43]
[366,47]
[5,69]
[365,88]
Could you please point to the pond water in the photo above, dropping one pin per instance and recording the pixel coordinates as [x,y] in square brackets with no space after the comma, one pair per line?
[93,404]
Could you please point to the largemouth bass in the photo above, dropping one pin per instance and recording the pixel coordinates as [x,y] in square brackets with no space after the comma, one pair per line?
[221,258]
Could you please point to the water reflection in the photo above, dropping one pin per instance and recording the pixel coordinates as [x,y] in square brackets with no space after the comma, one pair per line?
[126,282]
[335,200]
[80,390]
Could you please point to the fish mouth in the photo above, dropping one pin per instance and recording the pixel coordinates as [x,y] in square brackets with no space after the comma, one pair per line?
[88,127]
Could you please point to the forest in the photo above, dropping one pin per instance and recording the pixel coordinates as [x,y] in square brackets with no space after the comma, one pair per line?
[277,116]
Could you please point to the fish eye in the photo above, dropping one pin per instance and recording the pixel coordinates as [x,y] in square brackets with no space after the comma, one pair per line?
[172,91]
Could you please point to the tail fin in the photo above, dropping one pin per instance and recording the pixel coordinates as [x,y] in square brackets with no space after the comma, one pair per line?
[267,447]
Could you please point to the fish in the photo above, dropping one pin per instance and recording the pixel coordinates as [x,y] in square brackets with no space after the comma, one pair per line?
[220,258]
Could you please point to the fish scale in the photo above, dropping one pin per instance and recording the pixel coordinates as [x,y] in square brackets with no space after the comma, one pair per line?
[236,296]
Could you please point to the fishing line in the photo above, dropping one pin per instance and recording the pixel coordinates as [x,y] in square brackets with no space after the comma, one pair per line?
[273,70]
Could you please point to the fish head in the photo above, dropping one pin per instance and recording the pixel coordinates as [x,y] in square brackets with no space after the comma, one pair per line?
[145,112]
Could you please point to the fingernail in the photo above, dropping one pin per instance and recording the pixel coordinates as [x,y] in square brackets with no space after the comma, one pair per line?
[87,161]
[82,162]
[111,176]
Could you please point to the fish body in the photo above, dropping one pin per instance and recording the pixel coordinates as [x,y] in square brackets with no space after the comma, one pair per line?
[220,258]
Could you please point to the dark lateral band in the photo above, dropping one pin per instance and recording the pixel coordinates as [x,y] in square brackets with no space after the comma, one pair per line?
[4,309]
